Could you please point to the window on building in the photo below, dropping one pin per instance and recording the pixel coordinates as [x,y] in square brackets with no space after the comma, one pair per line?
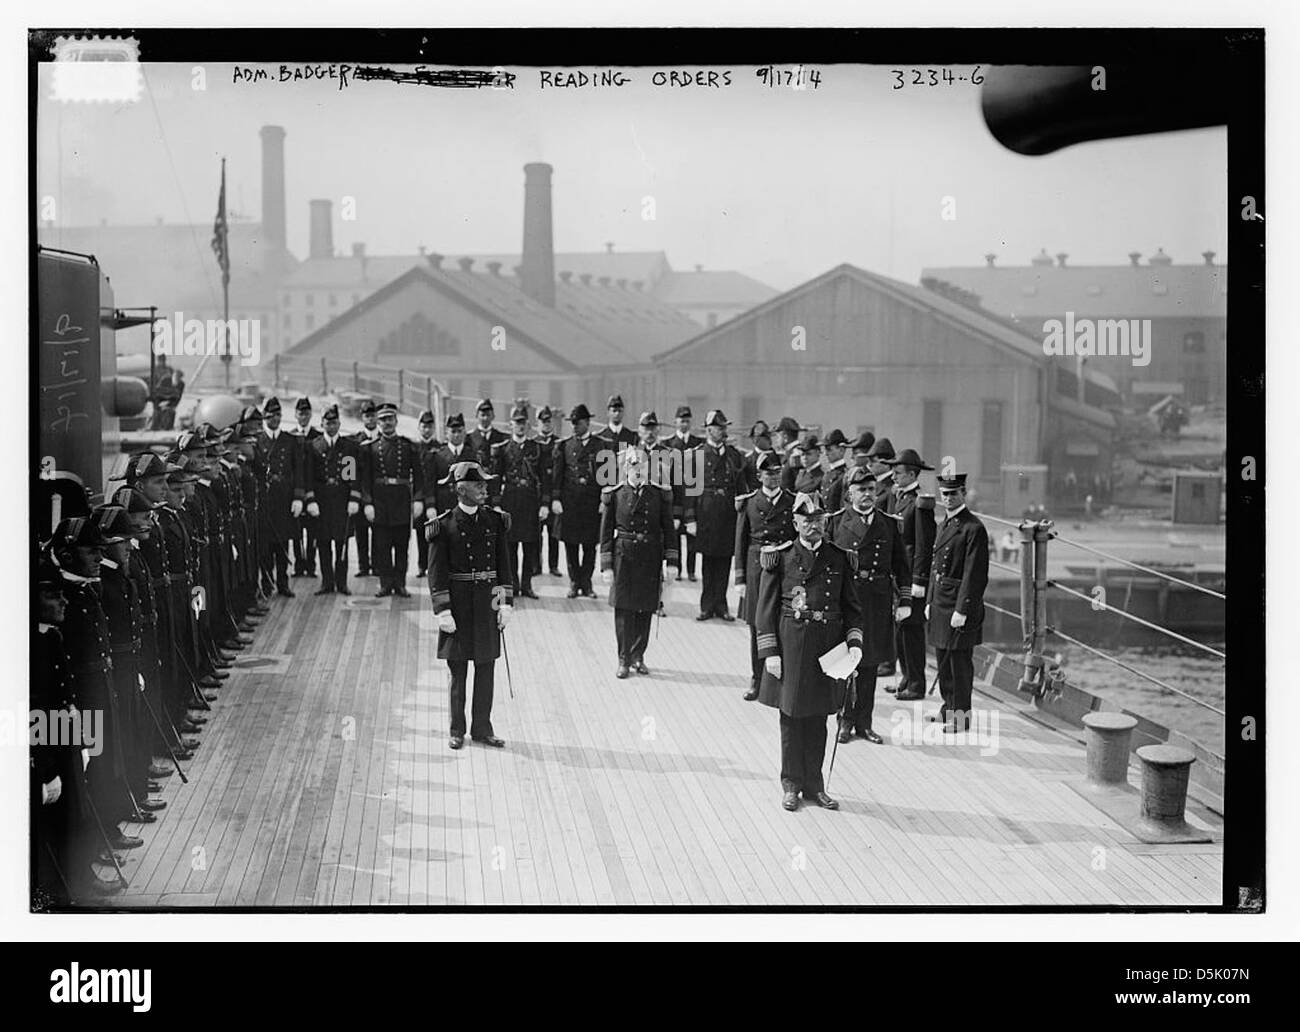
[932,431]
[1194,343]
[1198,492]
[711,320]
[311,321]
[333,301]
[1198,391]
[309,299]
[991,440]
[288,320]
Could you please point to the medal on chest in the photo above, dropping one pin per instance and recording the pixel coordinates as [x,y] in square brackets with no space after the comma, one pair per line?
[799,599]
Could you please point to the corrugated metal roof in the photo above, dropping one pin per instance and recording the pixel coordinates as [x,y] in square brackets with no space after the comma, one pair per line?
[1095,291]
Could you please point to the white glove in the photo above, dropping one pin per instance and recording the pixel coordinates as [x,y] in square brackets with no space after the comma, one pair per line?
[51,790]
[691,527]
[918,591]
[773,666]
[902,613]
[354,508]
[958,621]
[855,654]
[313,509]
[447,622]
[607,576]
[670,574]
[557,507]
[370,513]
[417,510]
[295,508]
[542,513]
[503,616]
[927,610]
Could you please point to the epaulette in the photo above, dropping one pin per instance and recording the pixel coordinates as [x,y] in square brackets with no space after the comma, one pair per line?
[925,501]
[606,493]
[769,555]
[498,444]
[831,515]
[505,517]
[434,526]
[742,499]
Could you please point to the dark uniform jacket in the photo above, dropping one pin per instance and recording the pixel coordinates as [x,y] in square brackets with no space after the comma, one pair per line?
[762,521]
[807,604]
[521,487]
[959,574]
[333,478]
[637,535]
[391,479]
[280,458]
[914,513]
[714,508]
[833,487]
[90,658]
[682,447]
[480,442]
[882,575]
[469,573]
[752,481]
[625,437]
[574,482]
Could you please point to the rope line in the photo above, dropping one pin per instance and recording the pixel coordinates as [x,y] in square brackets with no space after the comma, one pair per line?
[1136,619]
[1145,569]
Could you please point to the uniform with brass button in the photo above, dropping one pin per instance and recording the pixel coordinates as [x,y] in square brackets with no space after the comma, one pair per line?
[517,466]
[333,496]
[711,513]
[392,496]
[575,498]
[883,580]
[469,579]
[914,512]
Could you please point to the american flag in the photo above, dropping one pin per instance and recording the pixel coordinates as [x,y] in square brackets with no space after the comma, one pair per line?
[221,231]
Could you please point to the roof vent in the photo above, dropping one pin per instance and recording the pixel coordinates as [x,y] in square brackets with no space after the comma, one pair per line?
[586,279]
[434,258]
[638,284]
[989,259]
[1041,258]
[494,268]
[609,249]
[1060,259]
[1208,256]
[565,275]
[603,281]
[699,268]
[466,264]
[622,283]
[1134,257]
[1160,258]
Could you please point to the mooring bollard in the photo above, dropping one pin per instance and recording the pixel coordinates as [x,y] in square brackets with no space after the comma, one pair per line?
[1109,736]
[1165,771]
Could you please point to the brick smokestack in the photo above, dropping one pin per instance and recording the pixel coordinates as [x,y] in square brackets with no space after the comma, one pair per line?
[273,215]
[537,274]
[322,229]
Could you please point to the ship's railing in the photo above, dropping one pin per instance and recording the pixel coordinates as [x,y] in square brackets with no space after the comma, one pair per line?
[1034,587]
[411,391]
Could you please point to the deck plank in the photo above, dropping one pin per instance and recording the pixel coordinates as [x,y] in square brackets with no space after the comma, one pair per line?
[647,791]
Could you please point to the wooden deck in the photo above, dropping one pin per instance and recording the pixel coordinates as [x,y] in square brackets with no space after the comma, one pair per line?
[324,779]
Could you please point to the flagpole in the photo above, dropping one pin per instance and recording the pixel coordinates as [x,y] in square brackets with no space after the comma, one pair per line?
[225,280]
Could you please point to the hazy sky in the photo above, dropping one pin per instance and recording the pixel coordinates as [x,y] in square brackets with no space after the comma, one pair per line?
[780,183]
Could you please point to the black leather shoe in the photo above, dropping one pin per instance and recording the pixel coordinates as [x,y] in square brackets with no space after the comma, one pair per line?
[885,669]
[364,573]
[153,804]
[154,786]
[401,593]
[245,627]
[323,591]
[492,740]
[890,689]
[752,694]
[726,616]
[196,718]
[457,741]
[790,800]
[142,817]
[640,667]
[938,718]
[97,888]
[189,744]
[691,577]
[210,681]
[344,591]
[553,572]
[573,593]
[284,592]
[701,617]
[871,737]
[528,593]
[910,695]
[382,593]
[621,672]
[210,696]
[157,770]
[421,572]
[824,801]
[953,728]
[590,593]
[120,841]
[845,735]
[189,727]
